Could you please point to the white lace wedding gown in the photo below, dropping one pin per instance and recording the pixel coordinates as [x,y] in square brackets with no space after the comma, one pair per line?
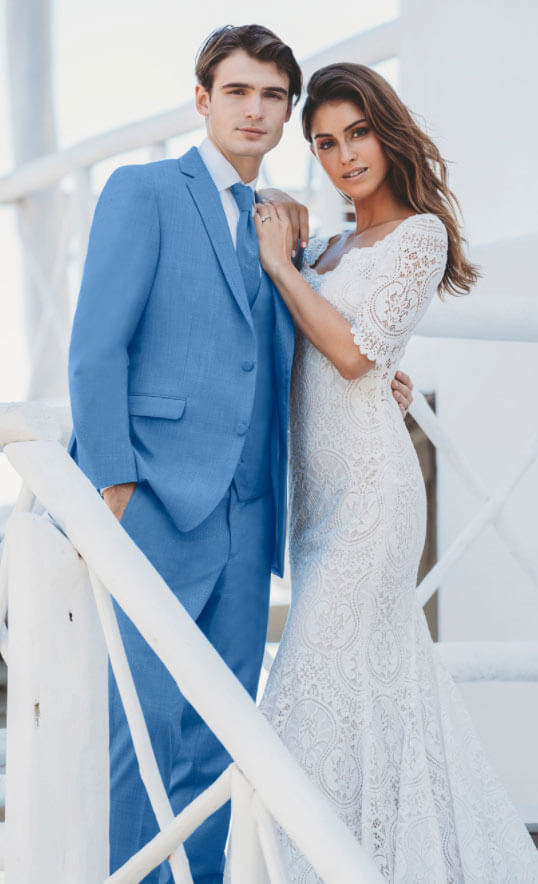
[357,690]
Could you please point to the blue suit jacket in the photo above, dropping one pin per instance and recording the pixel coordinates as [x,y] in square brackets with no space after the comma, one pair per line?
[161,339]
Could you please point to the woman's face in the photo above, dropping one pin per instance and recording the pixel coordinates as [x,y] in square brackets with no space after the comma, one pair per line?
[348,149]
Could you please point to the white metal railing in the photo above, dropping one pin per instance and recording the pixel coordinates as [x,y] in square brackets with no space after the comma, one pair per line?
[514,319]
[269,784]
[114,562]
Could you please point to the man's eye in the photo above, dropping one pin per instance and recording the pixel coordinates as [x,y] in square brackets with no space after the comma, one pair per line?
[237,91]
[275,95]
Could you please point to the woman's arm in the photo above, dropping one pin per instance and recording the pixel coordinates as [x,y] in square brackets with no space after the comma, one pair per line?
[318,320]
[321,323]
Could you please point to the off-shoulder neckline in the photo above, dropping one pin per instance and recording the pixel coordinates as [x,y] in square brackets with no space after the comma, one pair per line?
[374,245]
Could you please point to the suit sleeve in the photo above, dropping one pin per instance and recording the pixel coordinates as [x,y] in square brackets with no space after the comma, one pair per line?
[118,275]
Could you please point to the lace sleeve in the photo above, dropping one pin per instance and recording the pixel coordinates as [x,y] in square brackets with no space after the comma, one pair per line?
[316,245]
[405,280]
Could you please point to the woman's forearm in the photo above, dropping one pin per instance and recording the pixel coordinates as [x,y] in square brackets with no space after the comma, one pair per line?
[320,322]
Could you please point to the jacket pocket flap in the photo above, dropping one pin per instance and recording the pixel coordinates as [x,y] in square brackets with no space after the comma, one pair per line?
[156,406]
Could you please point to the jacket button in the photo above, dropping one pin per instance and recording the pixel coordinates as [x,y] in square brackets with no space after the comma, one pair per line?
[247,365]
[242,429]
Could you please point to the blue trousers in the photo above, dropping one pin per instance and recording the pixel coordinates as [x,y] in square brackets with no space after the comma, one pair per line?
[220,572]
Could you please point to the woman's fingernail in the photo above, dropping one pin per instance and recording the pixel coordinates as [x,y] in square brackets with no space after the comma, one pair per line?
[293,253]
[303,244]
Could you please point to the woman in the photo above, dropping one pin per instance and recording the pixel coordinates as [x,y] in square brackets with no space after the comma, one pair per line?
[357,691]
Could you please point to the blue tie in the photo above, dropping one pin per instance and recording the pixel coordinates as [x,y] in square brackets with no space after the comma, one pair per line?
[247,241]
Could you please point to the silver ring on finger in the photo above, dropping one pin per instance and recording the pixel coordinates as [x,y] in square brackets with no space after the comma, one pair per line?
[266,218]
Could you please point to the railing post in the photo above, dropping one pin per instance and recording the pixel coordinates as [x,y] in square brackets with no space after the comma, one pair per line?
[57,743]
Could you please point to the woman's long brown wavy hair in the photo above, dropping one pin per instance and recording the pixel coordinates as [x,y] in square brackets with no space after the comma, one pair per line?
[417,171]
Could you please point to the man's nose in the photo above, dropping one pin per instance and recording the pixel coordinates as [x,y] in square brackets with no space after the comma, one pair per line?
[254,107]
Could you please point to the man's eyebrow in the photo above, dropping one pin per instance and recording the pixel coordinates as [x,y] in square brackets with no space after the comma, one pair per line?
[250,86]
[351,126]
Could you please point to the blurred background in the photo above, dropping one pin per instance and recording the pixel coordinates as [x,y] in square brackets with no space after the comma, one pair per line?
[87,87]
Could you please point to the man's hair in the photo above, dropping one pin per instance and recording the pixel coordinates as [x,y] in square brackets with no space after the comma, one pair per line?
[256,41]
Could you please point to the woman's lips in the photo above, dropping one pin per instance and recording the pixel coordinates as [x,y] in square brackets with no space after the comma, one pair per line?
[355,173]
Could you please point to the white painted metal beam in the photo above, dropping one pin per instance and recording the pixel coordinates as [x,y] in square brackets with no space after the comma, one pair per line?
[206,682]
[512,317]
[57,741]
[434,430]
[176,832]
[487,514]
[147,763]
[369,47]
[490,660]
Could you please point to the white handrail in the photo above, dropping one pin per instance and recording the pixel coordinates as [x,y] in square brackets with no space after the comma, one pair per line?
[200,673]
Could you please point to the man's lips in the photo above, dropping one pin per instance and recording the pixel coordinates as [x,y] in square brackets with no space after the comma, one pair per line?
[249,130]
[356,173]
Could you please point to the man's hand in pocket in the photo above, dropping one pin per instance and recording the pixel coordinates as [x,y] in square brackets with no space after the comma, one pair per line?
[117,497]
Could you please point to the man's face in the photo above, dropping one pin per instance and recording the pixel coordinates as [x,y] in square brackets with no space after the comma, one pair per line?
[247,106]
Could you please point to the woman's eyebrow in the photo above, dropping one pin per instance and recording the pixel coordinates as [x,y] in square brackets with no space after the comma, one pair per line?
[351,126]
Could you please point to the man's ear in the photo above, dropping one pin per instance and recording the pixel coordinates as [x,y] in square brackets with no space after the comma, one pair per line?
[312,151]
[202,99]
[288,112]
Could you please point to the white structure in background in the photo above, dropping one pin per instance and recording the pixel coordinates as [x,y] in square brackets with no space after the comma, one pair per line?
[477,110]
[467,68]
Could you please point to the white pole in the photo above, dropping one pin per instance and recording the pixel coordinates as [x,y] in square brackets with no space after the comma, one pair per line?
[269,843]
[149,770]
[33,131]
[165,842]
[247,864]
[57,738]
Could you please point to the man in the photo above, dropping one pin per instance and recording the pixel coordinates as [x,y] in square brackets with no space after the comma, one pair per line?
[180,364]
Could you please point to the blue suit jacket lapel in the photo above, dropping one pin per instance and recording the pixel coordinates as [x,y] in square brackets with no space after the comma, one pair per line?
[208,202]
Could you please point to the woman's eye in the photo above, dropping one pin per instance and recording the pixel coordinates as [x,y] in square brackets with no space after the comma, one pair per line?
[325,144]
[360,132]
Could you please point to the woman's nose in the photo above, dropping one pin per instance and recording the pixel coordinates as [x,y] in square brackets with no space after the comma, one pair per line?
[347,153]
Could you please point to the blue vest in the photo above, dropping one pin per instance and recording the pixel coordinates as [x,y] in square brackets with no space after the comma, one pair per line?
[252,476]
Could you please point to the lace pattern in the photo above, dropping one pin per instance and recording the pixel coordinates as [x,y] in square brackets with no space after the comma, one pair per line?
[357,691]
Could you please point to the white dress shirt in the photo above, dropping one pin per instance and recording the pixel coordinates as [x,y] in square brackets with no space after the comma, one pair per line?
[224,175]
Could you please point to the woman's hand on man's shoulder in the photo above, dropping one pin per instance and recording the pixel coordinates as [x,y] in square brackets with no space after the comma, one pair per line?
[296,212]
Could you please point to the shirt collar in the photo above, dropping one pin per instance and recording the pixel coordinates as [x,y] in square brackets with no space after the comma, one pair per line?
[220,169]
